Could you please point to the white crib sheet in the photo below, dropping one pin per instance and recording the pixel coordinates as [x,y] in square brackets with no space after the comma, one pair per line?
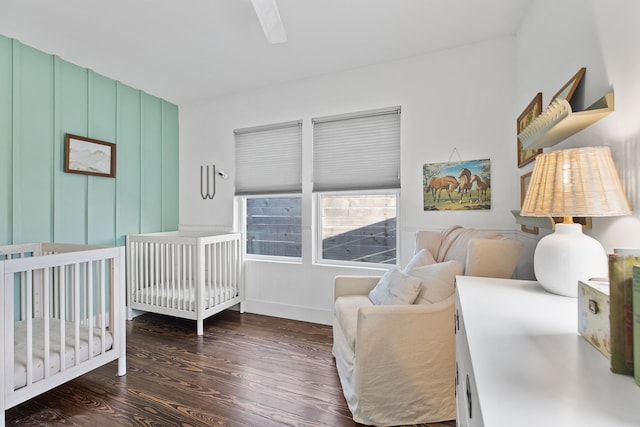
[20,348]
[172,296]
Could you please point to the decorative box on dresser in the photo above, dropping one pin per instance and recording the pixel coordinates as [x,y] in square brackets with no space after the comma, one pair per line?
[521,362]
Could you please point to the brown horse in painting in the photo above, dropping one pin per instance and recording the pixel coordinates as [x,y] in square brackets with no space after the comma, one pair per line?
[439,183]
[481,187]
[465,184]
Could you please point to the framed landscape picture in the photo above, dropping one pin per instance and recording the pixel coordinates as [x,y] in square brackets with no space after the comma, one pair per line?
[89,156]
[532,111]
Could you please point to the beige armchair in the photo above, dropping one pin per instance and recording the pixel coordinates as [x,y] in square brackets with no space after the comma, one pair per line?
[396,363]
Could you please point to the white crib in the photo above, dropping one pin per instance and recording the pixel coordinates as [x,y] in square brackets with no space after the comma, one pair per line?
[191,275]
[63,315]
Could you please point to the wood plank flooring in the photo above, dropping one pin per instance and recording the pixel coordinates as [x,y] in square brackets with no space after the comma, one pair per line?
[247,370]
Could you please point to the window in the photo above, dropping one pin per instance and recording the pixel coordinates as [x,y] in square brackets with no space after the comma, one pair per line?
[268,177]
[274,226]
[356,177]
[358,228]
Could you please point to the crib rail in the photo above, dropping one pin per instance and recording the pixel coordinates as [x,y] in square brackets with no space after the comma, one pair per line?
[74,293]
[184,275]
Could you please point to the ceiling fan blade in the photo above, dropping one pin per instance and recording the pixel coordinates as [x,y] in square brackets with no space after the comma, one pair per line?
[269,16]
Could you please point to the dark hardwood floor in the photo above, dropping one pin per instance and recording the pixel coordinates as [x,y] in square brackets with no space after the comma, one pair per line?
[247,370]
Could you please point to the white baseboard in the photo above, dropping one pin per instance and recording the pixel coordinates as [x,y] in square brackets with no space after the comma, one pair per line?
[305,314]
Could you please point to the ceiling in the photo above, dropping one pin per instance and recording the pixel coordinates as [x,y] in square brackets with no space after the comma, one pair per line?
[189,50]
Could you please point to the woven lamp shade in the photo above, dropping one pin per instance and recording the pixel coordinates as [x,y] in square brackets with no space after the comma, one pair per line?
[575,182]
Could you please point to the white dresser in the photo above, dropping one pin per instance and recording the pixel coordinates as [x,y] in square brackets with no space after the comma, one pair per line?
[521,362]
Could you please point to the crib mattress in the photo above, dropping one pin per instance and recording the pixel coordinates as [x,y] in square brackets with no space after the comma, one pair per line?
[179,297]
[20,348]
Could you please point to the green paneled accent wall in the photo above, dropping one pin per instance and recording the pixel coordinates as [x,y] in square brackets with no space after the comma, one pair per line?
[71,106]
[6,131]
[152,164]
[170,176]
[43,97]
[33,141]
[128,197]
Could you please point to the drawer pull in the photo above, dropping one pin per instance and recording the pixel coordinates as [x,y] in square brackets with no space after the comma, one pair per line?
[469,398]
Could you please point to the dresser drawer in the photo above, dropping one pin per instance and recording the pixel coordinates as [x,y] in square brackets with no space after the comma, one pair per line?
[467,403]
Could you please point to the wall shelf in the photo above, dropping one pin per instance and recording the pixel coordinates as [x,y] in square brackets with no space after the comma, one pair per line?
[559,122]
[533,221]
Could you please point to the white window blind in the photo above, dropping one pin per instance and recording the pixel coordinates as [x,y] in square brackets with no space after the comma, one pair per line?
[269,159]
[357,151]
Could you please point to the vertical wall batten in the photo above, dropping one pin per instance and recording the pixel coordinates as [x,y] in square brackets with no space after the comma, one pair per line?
[70,199]
[57,154]
[6,134]
[15,152]
[141,166]
[90,179]
[102,125]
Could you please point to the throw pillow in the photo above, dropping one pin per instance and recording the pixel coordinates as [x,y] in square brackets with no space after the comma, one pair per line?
[438,280]
[395,288]
[422,257]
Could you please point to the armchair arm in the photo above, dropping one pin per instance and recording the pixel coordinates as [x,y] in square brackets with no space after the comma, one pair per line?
[353,285]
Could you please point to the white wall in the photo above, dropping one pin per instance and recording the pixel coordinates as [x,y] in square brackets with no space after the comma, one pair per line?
[554,41]
[462,98]
[468,98]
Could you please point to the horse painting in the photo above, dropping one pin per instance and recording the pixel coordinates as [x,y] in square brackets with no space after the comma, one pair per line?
[439,183]
[481,187]
[455,177]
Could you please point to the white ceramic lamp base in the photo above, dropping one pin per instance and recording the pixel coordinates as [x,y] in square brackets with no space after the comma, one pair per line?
[566,256]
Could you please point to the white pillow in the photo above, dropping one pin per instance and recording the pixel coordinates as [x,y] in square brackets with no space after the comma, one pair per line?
[395,288]
[422,257]
[438,280]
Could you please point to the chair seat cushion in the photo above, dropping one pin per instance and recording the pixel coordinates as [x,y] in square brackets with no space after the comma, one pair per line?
[346,313]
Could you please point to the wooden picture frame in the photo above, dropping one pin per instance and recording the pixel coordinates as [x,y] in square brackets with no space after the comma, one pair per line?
[524,184]
[532,111]
[89,156]
[569,88]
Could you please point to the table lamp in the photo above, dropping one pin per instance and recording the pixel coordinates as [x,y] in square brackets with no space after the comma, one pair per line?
[567,183]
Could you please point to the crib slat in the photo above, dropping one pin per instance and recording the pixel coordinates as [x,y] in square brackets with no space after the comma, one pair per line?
[76,312]
[28,314]
[6,331]
[46,294]
[154,272]
[90,308]
[63,310]
[135,274]
[103,308]
[210,276]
